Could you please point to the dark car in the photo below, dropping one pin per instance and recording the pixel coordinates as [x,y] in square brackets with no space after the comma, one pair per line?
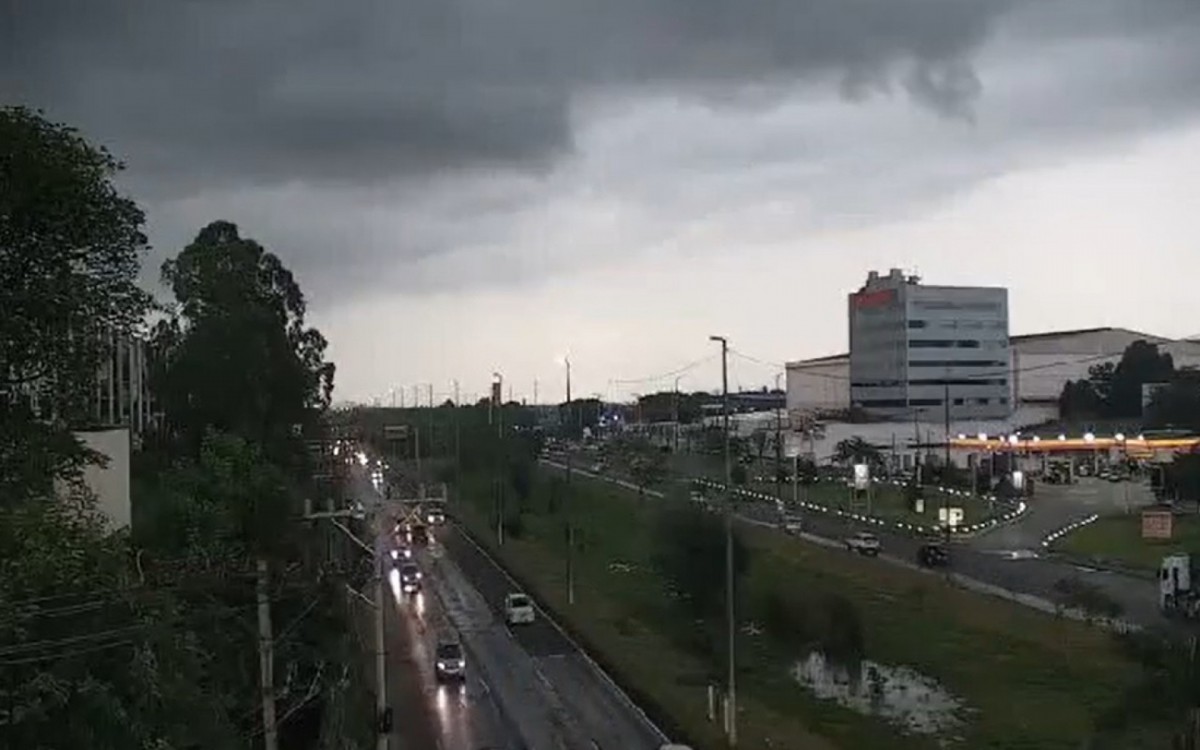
[418,534]
[410,578]
[451,663]
[933,555]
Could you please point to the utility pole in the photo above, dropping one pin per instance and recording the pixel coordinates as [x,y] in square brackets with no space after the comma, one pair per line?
[457,446]
[778,448]
[498,387]
[676,448]
[535,385]
[946,401]
[731,623]
[266,656]
[383,714]
[381,704]
[567,495]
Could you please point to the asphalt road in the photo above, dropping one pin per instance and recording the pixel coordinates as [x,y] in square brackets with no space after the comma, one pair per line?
[528,688]
[425,713]
[596,714]
[1023,569]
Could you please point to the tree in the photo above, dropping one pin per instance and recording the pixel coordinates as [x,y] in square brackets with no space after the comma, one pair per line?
[1114,391]
[235,354]
[855,450]
[70,248]
[689,552]
[1178,403]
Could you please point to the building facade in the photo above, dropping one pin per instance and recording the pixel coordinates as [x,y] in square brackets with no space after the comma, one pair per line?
[918,351]
[1042,363]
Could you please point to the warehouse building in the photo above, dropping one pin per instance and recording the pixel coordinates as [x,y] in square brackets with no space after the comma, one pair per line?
[1041,364]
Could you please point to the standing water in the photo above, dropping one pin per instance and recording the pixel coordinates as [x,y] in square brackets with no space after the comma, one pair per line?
[899,695]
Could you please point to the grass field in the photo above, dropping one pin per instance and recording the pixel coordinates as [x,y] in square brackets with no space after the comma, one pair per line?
[1119,539]
[887,500]
[1030,680]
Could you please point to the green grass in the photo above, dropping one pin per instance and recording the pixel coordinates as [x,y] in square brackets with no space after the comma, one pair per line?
[1119,539]
[1033,680]
[887,500]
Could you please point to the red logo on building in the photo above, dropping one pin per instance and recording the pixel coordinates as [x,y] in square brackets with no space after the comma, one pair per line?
[881,298]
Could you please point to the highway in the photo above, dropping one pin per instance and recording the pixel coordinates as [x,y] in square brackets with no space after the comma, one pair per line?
[1022,571]
[528,688]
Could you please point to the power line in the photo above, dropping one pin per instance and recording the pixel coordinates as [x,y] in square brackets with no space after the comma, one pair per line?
[663,376]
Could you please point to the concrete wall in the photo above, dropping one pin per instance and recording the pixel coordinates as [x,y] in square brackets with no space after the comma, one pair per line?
[821,385]
[110,483]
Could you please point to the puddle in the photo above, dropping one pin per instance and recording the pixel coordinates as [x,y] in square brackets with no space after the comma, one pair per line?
[900,695]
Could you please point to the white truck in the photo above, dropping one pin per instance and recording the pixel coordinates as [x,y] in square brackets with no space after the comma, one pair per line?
[1176,594]
[864,543]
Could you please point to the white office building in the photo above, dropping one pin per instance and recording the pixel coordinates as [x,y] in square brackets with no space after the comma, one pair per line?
[917,351]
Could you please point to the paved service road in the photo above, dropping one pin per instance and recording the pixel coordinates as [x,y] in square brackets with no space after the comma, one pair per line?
[600,716]
[1024,570]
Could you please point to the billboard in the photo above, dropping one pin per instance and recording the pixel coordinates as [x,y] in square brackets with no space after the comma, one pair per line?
[395,432]
[1157,523]
[870,300]
[862,476]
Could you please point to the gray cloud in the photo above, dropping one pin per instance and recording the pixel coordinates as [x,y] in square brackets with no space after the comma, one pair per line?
[205,92]
[327,129]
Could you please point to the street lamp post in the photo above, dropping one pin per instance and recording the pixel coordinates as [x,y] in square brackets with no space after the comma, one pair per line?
[567,494]
[778,447]
[497,386]
[676,415]
[731,623]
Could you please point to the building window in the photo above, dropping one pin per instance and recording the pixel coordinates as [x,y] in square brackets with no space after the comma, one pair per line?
[882,403]
[958,402]
[916,324]
[943,344]
[960,381]
[981,401]
[925,402]
[958,363]
[1004,401]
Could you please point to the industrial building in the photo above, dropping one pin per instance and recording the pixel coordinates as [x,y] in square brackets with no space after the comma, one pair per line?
[1041,364]
[928,351]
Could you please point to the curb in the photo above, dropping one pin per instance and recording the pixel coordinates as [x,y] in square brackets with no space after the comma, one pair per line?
[961,532]
[552,617]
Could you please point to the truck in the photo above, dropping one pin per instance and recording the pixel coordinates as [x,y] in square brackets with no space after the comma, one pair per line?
[1176,594]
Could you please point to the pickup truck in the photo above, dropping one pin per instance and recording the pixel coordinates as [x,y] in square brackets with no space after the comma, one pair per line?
[864,543]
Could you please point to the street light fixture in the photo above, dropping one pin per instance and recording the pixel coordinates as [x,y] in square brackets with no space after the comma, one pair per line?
[731,623]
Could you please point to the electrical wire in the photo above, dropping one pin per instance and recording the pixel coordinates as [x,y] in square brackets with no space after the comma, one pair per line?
[673,373]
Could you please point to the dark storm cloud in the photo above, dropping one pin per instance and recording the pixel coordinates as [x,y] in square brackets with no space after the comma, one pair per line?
[213,91]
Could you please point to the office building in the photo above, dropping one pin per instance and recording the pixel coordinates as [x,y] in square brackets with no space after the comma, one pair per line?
[921,352]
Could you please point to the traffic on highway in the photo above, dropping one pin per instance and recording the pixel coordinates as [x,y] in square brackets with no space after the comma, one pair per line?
[472,662]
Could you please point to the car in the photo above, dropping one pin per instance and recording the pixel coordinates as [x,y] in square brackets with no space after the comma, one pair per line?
[518,609]
[450,663]
[410,578]
[436,517]
[400,554]
[418,533]
[864,543]
[933,555]
[791,524]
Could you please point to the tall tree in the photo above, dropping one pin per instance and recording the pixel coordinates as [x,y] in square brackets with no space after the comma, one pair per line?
[236,355]
[70,249]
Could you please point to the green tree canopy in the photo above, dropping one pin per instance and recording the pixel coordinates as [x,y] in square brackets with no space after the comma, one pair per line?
[236,354]
[70,249]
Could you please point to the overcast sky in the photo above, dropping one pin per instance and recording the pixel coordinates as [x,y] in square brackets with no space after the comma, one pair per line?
[469,186]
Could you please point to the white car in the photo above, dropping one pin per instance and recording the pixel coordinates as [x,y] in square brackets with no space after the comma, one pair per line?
[864,543]
[791,524]
[518,609]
